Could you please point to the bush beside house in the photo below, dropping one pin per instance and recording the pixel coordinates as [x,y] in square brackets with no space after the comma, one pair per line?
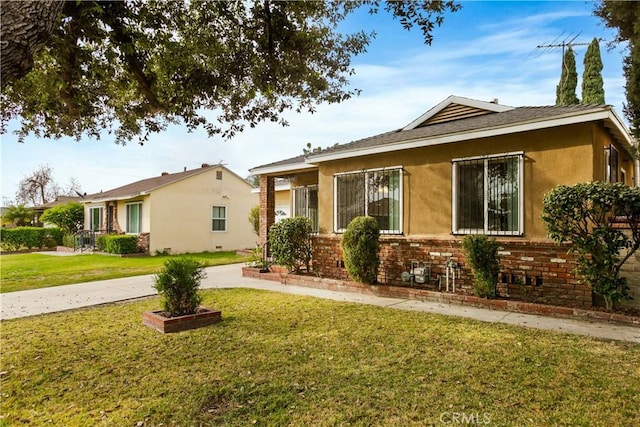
[13,239]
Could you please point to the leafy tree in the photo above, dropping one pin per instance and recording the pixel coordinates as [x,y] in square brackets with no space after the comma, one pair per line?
[592,83]
[566,89]
[360,247]
[625,16]
[290,243]
[18,215]
[582,215]
[69,217]
[134,67]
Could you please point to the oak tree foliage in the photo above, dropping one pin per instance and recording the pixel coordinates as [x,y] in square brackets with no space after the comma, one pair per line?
[133,67]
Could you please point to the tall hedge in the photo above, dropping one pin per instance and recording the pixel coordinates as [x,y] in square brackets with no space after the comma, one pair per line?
[360,247]
[13,239]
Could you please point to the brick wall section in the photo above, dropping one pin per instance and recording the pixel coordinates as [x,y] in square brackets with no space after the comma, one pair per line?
[531,271]
[267,207]
[144,242]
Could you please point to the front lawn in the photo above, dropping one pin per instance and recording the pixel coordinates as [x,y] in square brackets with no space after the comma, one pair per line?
[279,359]
[32,271]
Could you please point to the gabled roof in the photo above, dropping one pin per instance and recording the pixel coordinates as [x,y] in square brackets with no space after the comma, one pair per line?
[454,108]
[460,119]
[145,186]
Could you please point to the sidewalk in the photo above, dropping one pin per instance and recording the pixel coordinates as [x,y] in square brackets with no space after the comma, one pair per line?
[60,298]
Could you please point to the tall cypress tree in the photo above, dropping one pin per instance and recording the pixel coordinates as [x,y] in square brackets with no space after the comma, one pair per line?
[592,84]
[566,89]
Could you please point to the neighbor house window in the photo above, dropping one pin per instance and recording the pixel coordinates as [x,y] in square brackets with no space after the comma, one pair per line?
[376,193]
[96,218]
[611,164]
[487,195]
[134,218]
[218,218]
[305,203]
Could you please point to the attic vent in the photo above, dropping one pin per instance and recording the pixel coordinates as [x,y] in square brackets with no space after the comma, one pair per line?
[164,174]
[219,175]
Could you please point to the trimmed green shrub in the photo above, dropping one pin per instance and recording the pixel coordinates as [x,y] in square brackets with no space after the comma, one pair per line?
[482,255]
[13,239]
[360,247]
[121,244]
[178,285]
[101,242]
[290,243]
[69,217]
[56,234]
[68,240]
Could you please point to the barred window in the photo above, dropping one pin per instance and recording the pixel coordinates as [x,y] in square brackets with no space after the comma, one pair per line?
[487,195]
[611,164]
[305,203]
[375,193]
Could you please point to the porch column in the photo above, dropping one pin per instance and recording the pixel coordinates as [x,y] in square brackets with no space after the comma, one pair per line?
[267,207]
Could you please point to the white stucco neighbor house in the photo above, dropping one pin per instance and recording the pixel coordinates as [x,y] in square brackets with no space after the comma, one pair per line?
[198,210]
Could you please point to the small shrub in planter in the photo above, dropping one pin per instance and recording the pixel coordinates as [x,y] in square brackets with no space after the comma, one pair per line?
[360,249]
[482,255]
[290,243]
[178,285]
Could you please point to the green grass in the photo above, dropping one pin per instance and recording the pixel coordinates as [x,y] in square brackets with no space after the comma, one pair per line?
[32,271]
[279,359]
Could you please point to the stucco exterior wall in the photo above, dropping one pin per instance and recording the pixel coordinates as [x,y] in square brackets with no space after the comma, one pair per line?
[551,157]
[181,216]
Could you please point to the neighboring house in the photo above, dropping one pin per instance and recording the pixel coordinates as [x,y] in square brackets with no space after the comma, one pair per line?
[205,209]
[463,167]
[59,201]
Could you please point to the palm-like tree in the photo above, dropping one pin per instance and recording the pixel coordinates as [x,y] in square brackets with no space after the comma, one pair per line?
[19,215]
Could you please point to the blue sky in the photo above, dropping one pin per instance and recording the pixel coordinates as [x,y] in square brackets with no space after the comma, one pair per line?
[487,50]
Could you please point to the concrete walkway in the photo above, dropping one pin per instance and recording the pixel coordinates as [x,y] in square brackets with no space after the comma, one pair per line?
[61,298]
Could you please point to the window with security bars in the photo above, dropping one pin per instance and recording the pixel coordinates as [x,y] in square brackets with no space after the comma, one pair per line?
[487,195]
[305,203]
[375,193]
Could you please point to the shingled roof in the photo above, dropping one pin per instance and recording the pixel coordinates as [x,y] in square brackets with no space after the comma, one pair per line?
[143,187]
[477,122]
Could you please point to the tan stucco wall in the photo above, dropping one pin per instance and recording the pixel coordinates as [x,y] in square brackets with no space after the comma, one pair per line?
[181,214]
[602,140]
[551,157]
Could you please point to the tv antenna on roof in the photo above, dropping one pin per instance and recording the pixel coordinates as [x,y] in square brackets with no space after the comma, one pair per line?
[566,42]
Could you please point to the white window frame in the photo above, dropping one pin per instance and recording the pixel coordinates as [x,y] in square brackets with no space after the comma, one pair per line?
[400,169]
[101,216]
[454,198]
[128,206]
[226,216]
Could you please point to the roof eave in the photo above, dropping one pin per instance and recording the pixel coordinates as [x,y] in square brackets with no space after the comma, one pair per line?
[598,114]
[291,167]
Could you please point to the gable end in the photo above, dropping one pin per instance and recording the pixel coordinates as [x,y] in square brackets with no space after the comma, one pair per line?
[454,112]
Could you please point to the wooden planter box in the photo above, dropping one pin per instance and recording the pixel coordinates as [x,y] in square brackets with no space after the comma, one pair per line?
[204,317]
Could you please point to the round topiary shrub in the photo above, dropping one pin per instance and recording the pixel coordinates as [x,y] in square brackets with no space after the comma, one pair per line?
[178,285]
[360,249]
